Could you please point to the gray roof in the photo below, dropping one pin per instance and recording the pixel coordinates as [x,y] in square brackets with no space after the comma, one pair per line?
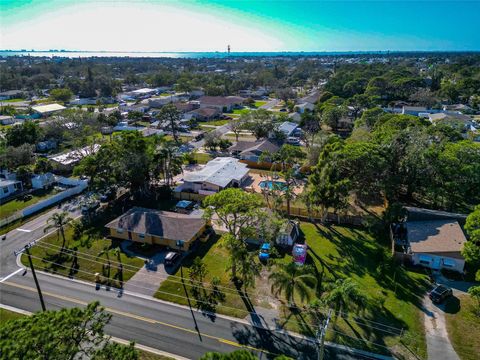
[165,224]
[256,146]
[435,236]
[287,127]
[8,182]
[220,171]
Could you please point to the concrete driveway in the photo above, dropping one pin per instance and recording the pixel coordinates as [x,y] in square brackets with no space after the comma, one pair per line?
[147,280]
[438,343]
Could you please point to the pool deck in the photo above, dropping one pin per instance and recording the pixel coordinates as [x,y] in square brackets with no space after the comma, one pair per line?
[257,178]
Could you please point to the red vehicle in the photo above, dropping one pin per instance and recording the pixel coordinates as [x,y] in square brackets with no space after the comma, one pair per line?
[299,253]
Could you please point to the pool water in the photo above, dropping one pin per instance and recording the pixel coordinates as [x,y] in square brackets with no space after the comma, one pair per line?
[273,185]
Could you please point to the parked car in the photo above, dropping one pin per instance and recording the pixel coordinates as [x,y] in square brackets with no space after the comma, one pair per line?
[171,258]
[440,293]
[264,253]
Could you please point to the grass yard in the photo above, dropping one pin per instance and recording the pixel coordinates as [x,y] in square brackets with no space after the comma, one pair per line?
[394,294]
[15,205]
[240,111]
[145,355]
[215,258]
[217,122]
[202,158]
[47,256]
[6,315]
[463,326]
[259,103]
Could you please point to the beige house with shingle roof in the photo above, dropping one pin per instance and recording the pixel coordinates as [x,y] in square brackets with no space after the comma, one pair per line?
[167,228]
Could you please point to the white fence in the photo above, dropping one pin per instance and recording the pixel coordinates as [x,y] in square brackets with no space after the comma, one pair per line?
[80,186]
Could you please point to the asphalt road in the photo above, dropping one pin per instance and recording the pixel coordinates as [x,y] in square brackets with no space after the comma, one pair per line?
[26,233]
[162,325]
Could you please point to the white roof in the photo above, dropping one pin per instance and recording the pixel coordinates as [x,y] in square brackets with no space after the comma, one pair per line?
[42,109]
[143,91]
[220,171]
[4,182]
[287,127]
[75,155]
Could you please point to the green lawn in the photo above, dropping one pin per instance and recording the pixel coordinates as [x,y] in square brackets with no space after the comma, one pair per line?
[12,100]
[6,315]
[259,103]
[145,355]
[240,111]
[215,258]
[394,294]
[217,122]
[89,244]
[202,158]
[463,326]
[13,206]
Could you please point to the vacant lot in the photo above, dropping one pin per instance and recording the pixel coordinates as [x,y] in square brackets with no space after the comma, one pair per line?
[463,326]
[13,206]
[394,294]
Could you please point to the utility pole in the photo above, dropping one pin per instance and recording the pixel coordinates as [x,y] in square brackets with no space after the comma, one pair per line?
[27,251]
[321,333]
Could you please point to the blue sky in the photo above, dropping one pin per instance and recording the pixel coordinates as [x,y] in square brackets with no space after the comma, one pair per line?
[209,25]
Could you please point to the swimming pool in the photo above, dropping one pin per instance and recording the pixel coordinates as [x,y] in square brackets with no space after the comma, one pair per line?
[273,185]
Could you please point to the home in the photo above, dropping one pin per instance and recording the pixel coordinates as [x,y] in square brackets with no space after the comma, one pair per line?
[432,239]
[288,128]
[184,107]
[46,110]
[205,114]
[295,117]
[252,151]
[46,145]
[158,102]
[222,103]
[43,181]
[11,94]
[66,161]
[9,188]
[311,98]
[142,93]
[302,107]
[166,228]
[6,120]
[83,101]
[457,107]
[216,175]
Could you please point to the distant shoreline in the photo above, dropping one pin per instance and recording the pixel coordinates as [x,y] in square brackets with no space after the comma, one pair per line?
[212,54]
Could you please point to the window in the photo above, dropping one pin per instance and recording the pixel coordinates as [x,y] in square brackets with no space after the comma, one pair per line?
[119,230]
[141,236]
[5,190]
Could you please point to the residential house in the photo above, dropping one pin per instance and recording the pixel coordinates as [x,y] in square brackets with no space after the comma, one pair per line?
[6,120]
[174,230]
[432,239]
[205,113]
[9,188]
[216,175]
[11,94]
[288,234]
[295,117]
[252,151]
[184,107]
[46,145]
[222,103]
[302,107]
[46,110]
[66,161]
[43,181]
[288,128]
[158,102]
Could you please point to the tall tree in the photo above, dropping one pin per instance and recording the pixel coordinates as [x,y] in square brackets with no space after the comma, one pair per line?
[70,333]
[58,221]
[170,115]
[293,281]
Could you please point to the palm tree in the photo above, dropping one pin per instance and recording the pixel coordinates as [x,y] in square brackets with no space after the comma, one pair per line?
[344,294]
[292,280]
[117,252]
[105,253]
[58,221]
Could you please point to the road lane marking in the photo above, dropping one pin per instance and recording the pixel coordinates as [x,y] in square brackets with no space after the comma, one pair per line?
[141,318]
[23,230]
[9,276]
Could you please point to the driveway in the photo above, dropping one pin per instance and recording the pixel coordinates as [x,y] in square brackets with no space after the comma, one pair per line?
[147,280]
[438,343]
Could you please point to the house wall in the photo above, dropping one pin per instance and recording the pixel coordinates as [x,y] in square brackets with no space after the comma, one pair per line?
[437,261]
[6,191]
[157,240]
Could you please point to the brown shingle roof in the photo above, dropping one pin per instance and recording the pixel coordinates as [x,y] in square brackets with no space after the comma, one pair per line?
[435,236]
[165,224]
[221,100]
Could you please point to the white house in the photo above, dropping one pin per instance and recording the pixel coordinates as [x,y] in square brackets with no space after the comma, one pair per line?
[49,109]
[302,107]
[216,175]
[9,187]
[43,181]
[6,120]
[436,244]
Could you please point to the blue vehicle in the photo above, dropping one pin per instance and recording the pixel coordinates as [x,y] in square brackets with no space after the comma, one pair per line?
[264,253]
